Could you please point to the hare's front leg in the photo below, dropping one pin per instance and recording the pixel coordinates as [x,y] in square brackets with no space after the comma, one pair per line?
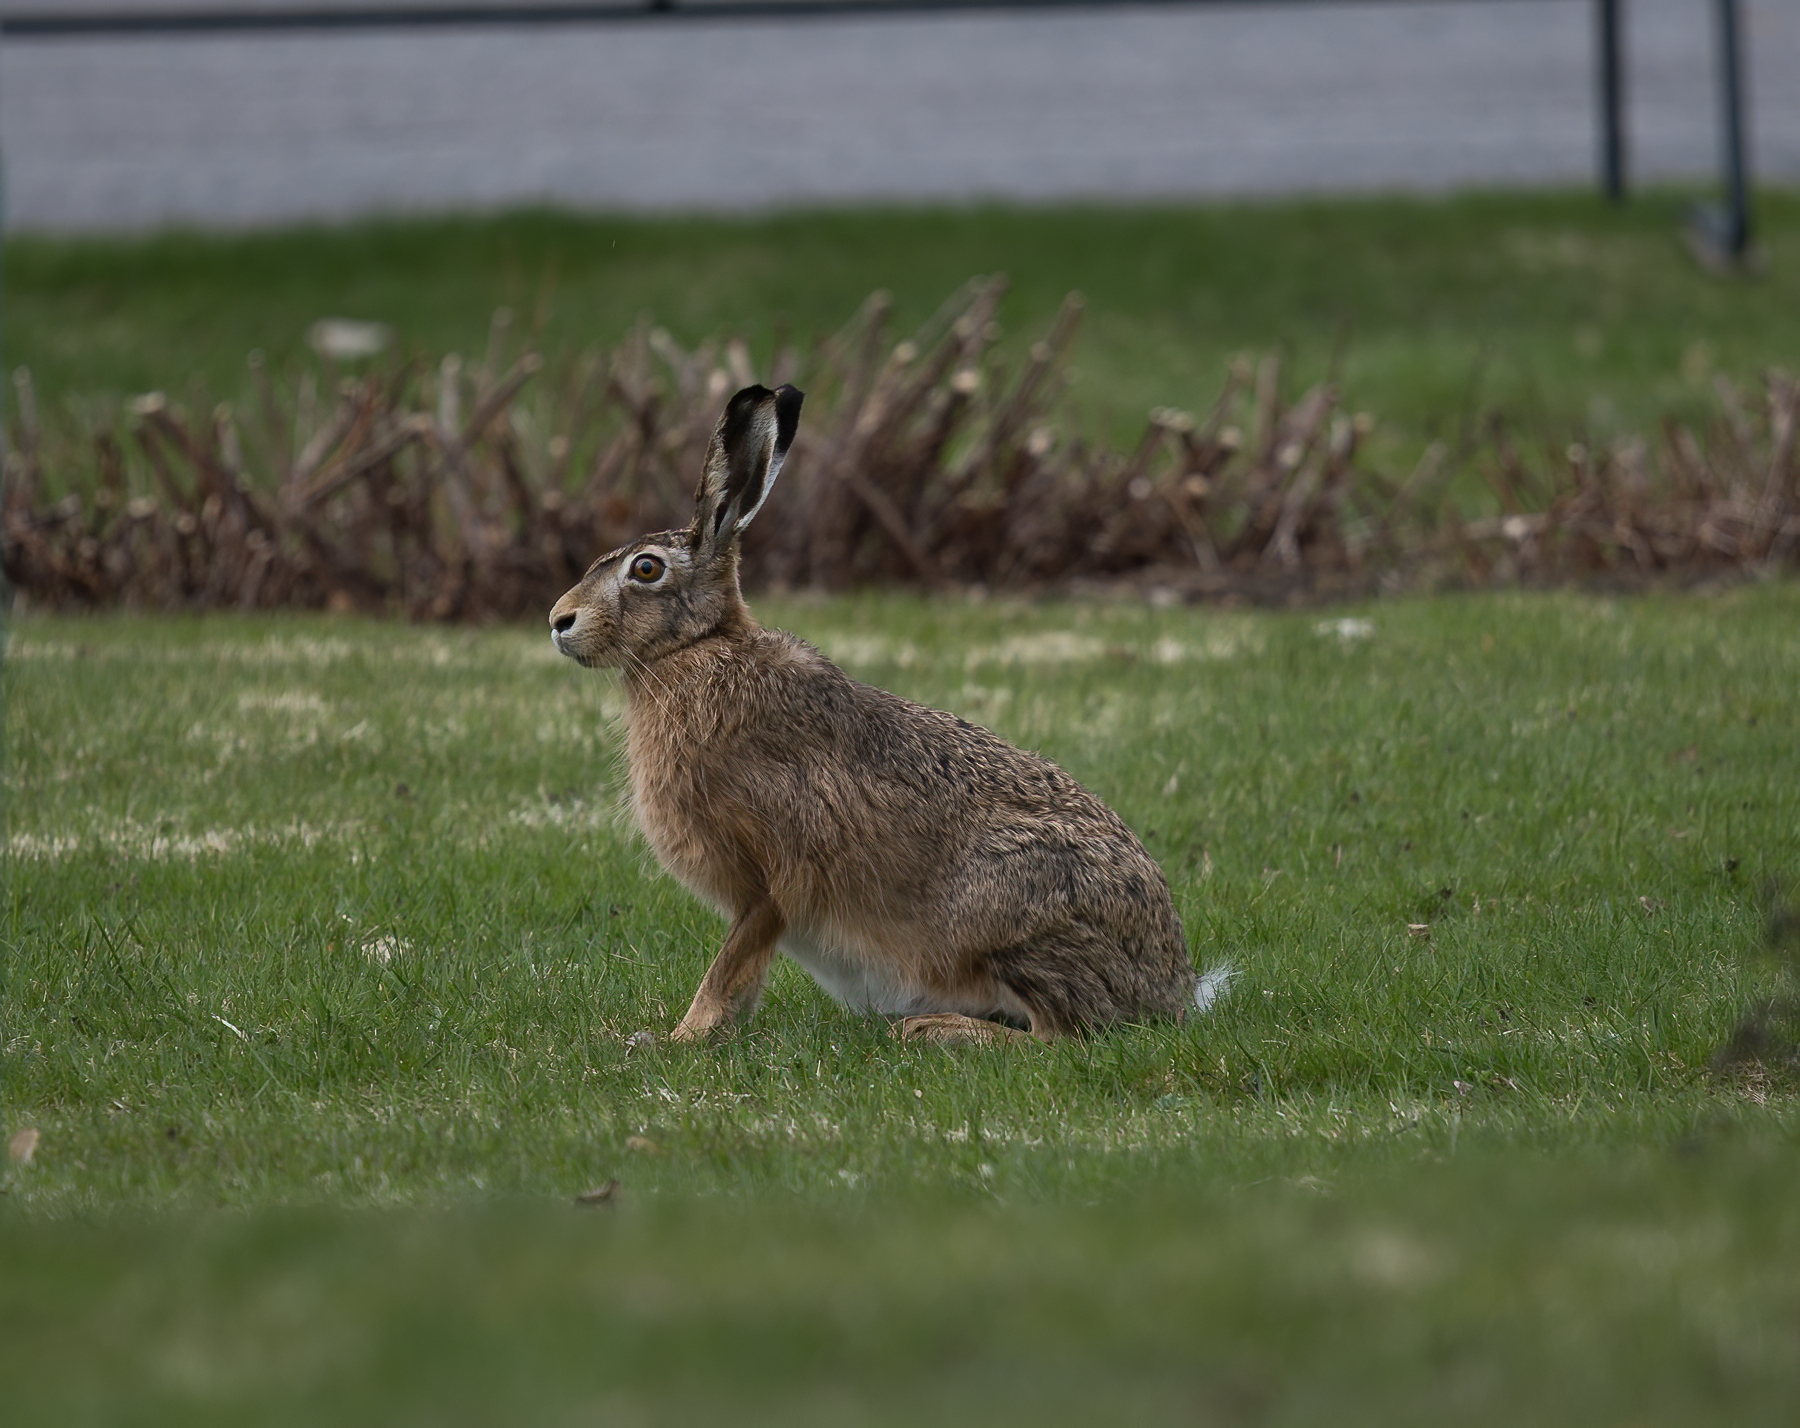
[735,980]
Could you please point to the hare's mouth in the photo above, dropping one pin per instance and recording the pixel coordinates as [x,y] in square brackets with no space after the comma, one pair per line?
[585,660]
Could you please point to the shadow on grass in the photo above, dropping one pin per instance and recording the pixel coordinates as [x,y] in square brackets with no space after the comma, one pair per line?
[1763,1053]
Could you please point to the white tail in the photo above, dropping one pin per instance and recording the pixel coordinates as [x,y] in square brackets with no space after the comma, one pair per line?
[1210,986]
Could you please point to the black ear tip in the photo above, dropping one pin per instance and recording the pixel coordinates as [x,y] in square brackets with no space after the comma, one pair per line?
[740,415]
[746,400]
[787,415]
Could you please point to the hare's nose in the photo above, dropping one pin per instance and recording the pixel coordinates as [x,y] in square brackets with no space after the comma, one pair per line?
[562,624]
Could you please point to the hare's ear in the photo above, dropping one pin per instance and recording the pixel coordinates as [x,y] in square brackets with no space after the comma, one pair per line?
[742,463]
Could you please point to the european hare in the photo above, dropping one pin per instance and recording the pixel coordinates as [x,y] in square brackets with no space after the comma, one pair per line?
[915,864]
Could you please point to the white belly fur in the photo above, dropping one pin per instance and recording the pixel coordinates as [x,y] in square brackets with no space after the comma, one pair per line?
[864,983]
[851,980]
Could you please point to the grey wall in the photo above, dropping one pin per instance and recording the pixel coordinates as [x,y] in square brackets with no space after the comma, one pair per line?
[1117,103]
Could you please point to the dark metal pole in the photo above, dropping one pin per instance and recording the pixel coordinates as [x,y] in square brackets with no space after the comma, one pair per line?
[1736,237]
[1611,97]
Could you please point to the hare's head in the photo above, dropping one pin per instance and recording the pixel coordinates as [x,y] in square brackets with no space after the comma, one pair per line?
[662,592]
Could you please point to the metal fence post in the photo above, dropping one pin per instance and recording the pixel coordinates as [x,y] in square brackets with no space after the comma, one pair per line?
[1736,235]
[1611,97]
[1720,232]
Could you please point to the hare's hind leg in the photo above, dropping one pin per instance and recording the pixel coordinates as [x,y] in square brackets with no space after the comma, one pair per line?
[955,1029]
[1069,980]
[735,980]
[1074,979]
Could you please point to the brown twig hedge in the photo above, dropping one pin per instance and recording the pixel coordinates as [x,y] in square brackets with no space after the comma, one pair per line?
[455,492]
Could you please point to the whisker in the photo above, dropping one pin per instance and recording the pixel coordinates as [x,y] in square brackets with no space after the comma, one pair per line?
[649,682]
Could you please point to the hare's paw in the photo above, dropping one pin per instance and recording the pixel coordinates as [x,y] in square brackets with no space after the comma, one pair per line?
[695,1031]
[954,1029]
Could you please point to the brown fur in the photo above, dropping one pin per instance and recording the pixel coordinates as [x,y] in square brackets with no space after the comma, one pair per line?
[914,863]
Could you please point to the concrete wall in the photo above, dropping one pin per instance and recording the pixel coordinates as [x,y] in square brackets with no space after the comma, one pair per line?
[732,114]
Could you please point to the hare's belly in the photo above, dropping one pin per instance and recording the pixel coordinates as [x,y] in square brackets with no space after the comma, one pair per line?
[877,984]
[858,982]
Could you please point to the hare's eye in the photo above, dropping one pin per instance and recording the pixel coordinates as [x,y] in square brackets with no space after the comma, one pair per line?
[647,568]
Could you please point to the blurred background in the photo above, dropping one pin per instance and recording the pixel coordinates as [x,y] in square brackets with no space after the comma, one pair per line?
[121,132]
[1274,300]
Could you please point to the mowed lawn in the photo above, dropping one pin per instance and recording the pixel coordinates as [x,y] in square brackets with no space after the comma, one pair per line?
[325,941]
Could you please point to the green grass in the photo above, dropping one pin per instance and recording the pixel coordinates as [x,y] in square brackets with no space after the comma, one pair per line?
[1488,1291]
[1565,313]
[325,940]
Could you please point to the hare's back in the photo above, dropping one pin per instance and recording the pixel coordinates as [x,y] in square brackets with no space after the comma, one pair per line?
[948,801]
[927,756]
